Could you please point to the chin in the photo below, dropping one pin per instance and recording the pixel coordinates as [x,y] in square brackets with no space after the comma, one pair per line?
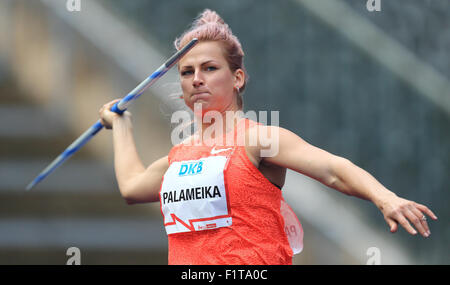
[204,107]
[200,104]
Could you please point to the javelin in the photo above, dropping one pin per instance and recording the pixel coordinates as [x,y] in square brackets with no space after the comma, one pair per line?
[118,108]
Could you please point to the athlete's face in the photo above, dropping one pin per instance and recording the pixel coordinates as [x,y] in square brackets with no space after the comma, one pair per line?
[207,79]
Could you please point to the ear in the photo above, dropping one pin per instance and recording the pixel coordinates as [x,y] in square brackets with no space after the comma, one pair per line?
[239,78]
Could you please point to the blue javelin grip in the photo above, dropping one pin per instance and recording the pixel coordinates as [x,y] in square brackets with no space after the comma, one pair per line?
[119,108]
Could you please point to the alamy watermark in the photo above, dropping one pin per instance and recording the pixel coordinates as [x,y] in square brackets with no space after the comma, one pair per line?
[373,5]
[75,256]
[374,255]
[220,130]
[73,5]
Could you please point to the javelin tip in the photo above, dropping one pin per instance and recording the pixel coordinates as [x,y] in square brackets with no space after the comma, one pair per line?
[31,185]
[35,181]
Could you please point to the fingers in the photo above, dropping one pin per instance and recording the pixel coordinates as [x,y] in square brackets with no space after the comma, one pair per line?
[415,217]
[102,120]
[397,210]
[411,214]
[423,221]
[426,211]
[392,225]
[109,105]
[106,115]
[405,224]
[106,125]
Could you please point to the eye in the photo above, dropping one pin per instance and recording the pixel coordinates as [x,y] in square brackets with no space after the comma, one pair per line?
[211,68]
[186,72]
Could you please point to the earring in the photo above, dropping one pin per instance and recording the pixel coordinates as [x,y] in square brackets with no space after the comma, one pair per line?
[237,89]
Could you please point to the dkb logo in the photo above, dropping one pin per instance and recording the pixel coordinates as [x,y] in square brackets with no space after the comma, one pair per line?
[191,168]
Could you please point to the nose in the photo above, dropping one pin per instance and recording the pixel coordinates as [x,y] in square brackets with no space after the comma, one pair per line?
[198,79]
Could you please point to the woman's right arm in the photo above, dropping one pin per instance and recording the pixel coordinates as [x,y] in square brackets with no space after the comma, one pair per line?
[137,184]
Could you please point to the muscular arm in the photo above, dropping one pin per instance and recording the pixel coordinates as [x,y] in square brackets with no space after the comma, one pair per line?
[341,174]
[136,184]
[290,151]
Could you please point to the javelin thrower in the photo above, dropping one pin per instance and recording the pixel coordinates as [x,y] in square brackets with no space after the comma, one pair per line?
[220,193]
[118,108]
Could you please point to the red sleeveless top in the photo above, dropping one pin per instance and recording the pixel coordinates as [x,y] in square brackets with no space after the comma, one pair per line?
[218,208]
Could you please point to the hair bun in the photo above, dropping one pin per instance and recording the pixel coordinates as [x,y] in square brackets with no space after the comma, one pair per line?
[208,16]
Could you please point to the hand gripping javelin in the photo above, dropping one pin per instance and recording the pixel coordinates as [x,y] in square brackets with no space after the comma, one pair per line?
[119,108]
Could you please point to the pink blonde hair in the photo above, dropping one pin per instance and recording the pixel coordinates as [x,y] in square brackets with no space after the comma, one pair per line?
[209,26]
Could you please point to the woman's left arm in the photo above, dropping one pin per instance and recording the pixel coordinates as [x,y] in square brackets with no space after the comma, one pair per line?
[341,174]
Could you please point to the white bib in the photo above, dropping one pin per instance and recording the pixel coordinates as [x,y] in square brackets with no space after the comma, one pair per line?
[292,227]
[193,195]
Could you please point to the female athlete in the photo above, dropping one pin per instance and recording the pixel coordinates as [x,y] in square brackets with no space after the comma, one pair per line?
[220,192]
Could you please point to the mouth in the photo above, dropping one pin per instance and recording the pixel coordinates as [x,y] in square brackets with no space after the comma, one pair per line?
[200,95]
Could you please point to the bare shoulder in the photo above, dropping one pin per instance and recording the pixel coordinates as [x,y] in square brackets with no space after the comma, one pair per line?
[275,136]
[261,141]
[264,137]
[259,132]
[270,143]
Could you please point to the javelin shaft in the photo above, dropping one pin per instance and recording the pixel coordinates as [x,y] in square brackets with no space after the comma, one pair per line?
[119,108]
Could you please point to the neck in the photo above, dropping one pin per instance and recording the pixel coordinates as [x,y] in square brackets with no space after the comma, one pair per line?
[214,124]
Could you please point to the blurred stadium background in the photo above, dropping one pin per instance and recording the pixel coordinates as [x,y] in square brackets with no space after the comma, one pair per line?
[369,86]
